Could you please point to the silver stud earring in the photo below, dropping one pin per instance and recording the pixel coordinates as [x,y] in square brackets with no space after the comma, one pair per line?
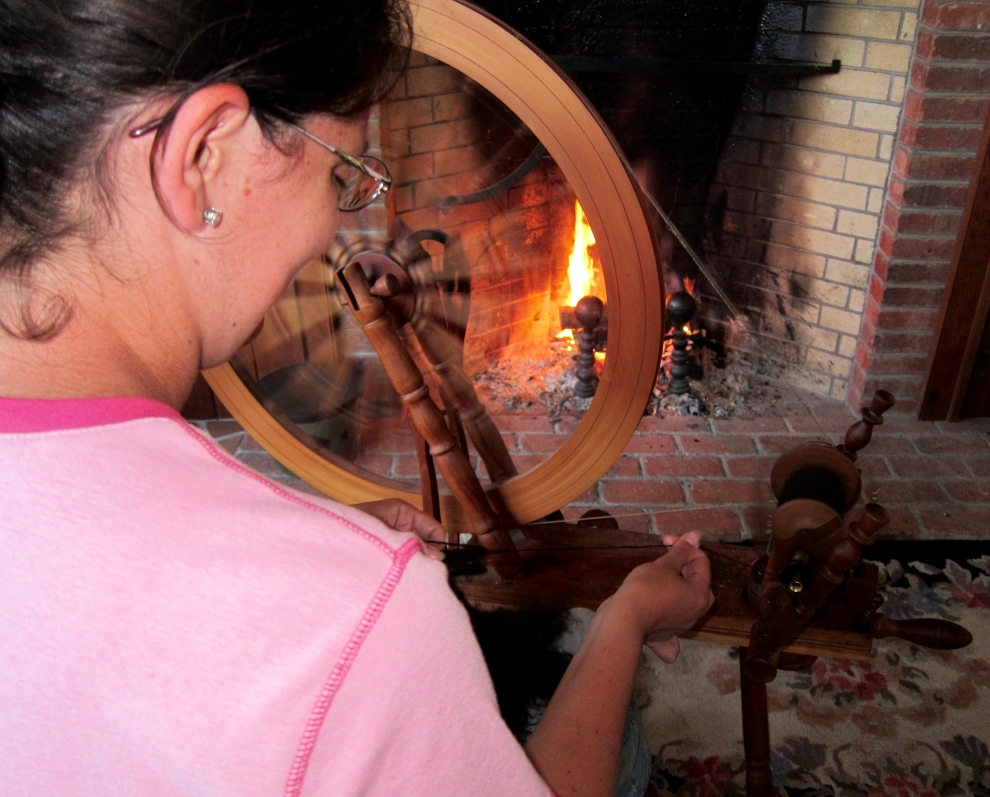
[212,216]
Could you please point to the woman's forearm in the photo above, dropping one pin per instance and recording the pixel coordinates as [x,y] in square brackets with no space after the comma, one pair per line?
[577,743]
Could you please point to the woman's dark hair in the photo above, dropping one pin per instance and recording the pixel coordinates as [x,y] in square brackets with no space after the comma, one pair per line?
[67,65]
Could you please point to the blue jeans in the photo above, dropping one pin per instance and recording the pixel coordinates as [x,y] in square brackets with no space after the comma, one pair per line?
[635,762]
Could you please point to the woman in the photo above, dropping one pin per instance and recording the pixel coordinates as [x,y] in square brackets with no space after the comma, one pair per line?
[171,623]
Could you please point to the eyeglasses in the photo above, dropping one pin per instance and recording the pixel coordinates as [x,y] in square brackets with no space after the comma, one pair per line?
[367,179]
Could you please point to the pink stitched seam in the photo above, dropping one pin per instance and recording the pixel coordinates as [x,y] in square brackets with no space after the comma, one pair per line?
[339,672]
[214,451]
[400,558]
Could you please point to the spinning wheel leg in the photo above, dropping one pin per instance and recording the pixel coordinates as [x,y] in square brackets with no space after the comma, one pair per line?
[756,723]
[756,734]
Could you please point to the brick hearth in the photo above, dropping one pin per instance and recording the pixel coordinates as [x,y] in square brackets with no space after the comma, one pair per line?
[686,473]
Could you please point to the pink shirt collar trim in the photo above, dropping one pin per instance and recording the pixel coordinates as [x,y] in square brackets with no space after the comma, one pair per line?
[49,415]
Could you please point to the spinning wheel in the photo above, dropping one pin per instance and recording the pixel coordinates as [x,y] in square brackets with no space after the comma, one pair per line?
[416,286]
[517,100]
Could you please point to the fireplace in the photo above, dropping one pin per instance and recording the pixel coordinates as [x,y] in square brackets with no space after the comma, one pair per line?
[790,226]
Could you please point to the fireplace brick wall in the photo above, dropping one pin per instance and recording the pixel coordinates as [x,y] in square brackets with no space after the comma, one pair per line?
[947,104]
[838,202]
[797,202]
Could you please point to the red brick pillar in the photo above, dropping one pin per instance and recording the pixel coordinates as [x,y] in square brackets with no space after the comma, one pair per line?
[945,109]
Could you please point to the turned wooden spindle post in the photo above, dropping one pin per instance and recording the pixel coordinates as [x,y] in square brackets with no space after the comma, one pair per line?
[860,433]
[785,616]
[844,557]
[459,396]
[756,723]
[756,733]
[413,316]
[369,311]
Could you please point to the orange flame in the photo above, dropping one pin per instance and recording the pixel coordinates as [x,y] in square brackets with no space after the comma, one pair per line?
[580,265]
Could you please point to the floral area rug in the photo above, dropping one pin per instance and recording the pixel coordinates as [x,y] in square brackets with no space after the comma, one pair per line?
[911,722]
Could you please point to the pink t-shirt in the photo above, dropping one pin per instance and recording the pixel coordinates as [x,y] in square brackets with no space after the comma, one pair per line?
[171,623]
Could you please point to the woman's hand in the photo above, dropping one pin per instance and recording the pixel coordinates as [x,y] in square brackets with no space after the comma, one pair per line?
[402,516]
[577,745]
[666,597]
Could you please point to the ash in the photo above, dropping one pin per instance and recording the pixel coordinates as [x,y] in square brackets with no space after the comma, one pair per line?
[731,387]
[741,385]
[546,382]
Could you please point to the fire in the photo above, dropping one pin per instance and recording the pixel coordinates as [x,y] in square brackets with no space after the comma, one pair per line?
[580,265]
[581,280]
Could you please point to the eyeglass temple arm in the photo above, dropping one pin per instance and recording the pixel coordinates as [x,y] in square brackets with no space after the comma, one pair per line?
[349,159]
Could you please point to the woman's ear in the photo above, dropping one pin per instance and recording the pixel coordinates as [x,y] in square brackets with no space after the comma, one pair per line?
[194,149]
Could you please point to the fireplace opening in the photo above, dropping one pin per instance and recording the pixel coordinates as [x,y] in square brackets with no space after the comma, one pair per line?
[501,259]
[700,97]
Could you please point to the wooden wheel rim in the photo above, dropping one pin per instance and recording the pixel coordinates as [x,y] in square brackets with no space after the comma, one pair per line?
[541,96]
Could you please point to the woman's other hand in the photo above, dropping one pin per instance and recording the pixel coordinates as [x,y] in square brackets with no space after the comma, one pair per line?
[403,516]
[577,745]
[666,597]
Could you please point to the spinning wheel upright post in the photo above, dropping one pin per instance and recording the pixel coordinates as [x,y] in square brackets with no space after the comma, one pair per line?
[369,309]
[815,551]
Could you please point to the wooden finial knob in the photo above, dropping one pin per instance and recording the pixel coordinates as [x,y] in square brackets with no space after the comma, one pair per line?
[875,517]
[589,311]
[881,402]
[861,432]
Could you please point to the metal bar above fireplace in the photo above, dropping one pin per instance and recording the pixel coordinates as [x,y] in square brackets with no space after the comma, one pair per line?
[663,66]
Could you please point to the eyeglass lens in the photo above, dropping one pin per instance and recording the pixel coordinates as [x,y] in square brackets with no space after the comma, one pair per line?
[362,189]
